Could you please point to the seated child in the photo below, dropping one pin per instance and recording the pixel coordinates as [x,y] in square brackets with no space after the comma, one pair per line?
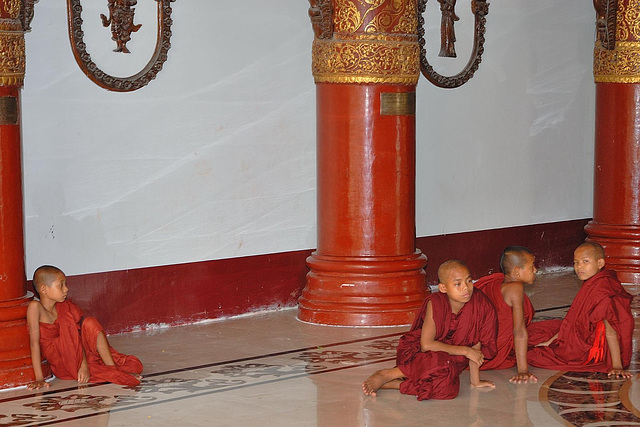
[596,333]
[515,311]
[455,328]
[75,346]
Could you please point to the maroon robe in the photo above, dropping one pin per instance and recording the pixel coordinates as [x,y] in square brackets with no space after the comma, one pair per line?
[582,330]
[62,342]
[491,286]
[436,374]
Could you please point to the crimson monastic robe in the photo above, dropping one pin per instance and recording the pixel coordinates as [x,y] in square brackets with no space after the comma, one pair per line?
[491,286]
[62,342]
[435,374]
[600,297]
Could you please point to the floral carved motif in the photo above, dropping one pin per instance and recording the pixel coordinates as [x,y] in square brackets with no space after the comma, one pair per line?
[120,19]
[12,60]
[628,21]
[370,61]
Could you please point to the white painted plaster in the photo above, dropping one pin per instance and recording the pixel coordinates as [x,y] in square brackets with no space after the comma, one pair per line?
[216,157]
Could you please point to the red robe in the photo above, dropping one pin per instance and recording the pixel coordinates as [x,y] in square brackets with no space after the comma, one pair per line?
[491,286]
[62,342]
[436,374]
[581,332]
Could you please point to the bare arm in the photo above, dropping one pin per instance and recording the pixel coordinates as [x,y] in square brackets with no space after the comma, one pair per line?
[474,373]
[514,297]
[33,322]
[614,349]
[428,341]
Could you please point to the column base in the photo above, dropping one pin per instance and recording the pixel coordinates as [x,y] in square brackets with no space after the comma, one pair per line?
[363,291]
[15,353]
[622,248]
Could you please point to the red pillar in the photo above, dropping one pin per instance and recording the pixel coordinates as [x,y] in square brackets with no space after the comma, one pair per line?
[366,269]
[15,359]
[616,204]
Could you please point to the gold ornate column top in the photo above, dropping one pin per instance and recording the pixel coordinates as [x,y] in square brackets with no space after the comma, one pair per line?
[618,61]
[12,45]
[365,41]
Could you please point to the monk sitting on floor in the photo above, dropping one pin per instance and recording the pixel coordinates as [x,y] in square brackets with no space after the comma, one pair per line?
[75,346]
[455,328]
[515,311]
[595,335]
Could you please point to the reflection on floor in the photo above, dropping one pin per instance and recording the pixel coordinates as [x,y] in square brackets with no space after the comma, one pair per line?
[270,369]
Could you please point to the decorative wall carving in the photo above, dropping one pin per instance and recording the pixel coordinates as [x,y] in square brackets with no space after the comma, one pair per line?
[120,84]
[121,13]
[447,32]
[480,9]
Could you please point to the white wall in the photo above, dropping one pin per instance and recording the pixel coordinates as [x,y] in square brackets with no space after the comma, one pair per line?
[216,157]
[514,145]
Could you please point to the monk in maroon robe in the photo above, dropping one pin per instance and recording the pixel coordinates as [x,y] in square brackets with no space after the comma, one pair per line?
[491,286]
[515,311]
[76,347]
[455,328]
[63,342]
[596,333]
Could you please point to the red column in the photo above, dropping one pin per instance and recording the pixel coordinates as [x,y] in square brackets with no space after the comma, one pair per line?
[366,269]
[15,358]
[616,202]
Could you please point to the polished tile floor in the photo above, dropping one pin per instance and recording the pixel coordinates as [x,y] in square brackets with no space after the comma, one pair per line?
[270,369]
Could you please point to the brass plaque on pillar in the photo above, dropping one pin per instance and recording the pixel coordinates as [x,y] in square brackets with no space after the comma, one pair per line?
[398,104]
[8,110]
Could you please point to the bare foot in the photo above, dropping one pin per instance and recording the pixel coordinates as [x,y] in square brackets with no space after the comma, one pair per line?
[136,376]
[384,378]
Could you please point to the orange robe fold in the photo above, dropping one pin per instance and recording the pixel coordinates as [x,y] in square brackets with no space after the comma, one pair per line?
[491,286]
[62,342]
[601,297]
[436,374]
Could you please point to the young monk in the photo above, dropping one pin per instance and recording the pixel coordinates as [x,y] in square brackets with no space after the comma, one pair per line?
[595,335]
[75,346]
[455,328]
[515,311]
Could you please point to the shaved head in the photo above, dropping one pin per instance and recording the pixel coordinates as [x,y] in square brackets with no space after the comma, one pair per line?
[596,250]
[513,257]
[447,266]
[45,275]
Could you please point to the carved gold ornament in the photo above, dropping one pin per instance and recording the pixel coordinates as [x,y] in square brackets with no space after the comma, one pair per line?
[370,61]
[12,60]
[621,65]
[365,41]
[628,21]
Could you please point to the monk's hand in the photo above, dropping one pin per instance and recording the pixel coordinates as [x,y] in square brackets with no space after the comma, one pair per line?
[619,373]
[83,374]
[523,377]
[37,384]
[475,355]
